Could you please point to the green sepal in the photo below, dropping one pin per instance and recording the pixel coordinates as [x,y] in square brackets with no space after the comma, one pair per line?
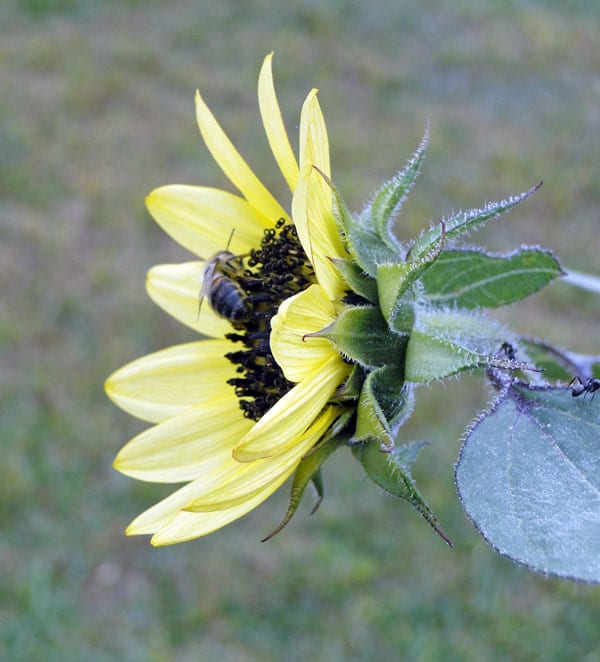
[381,212]
[360,282]
[365,247]
[309,470]
[361,334]
[465,221]
[474,279]
[385,403]
[395,283]
[391,472]
[446,342]
[350,390]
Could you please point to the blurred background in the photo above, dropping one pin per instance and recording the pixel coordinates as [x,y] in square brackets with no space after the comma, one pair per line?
[96,109]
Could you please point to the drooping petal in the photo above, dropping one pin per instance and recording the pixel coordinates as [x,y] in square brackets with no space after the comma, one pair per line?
[250,477]
[233,165]
[177,525]
[297,353]
[274,127]
[312,206]
[186,526]
[186,446]
[202,219]
[282,426]
[171,381]
[176,289]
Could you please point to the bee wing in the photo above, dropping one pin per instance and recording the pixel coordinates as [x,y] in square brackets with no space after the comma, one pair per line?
[208,274]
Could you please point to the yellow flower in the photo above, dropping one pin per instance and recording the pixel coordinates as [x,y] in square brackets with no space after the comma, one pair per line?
[236,413]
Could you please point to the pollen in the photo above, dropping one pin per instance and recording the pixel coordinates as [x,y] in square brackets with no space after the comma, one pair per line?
[275,271]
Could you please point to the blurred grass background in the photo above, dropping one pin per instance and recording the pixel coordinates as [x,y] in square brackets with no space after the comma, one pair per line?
[96,109]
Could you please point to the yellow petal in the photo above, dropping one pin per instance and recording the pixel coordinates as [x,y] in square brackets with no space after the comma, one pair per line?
[233,165]
[297,354]
[312,207]
[186,446]
[186,526]
[314,142]
[282,426]
[166,383]
[170,508]
[176,289]
[202,219]
[273,123]
[231,489]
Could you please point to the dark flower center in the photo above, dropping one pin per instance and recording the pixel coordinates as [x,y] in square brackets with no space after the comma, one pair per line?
[275,271]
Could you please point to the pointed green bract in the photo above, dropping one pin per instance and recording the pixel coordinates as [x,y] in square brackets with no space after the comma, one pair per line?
[395,283]
[529,478]
[385,403]
[381,212]
[309,471]
[465,221]
[360,282]
[361,334]
[366,248]
[391,471]
[473,279]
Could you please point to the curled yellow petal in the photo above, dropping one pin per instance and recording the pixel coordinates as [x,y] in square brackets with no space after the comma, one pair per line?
[171,524]
[187,526]
[251,477]
[282,426]
[312,206]
[297,352]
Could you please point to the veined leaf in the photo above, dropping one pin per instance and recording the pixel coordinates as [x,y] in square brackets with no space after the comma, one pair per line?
[528,476]
[473,279]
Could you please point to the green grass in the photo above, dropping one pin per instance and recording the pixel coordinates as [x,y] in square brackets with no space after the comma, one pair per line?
[97,109]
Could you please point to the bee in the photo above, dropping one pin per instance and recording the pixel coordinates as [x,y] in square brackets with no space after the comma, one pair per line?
[221,287]
[580,386]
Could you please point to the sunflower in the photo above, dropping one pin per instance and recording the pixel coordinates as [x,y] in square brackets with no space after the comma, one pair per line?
[236,413]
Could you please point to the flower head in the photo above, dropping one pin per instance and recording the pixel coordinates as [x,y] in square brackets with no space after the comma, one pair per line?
[236,413]
[317,327]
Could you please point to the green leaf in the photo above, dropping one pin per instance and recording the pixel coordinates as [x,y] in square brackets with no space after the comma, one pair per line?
[383,209]
[309,470]
[529,477]
[446,342]
[361,334]
[473,279]
[360,282]
[391,471]
[465,221]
